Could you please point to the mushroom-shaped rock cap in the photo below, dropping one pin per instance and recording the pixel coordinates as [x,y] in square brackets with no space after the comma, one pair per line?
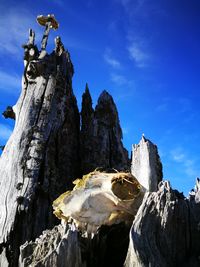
[43,20]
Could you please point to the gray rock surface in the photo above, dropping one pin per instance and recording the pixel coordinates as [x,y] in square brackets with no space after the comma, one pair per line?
[65,247]
[101,135]
[165,231]
[41,157]
[57,247]
[146,165]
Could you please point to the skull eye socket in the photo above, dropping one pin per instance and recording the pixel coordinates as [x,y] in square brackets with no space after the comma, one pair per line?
[125,188]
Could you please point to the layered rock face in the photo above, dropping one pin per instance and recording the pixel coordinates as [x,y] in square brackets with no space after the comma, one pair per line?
[41,157]
[101,135]
[146,165]
[63,246]
[165,231]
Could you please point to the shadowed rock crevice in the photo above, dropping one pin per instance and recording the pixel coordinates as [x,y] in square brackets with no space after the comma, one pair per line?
[66,247]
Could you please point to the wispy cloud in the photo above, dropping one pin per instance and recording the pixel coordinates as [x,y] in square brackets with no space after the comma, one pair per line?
[164,105]
[5,132]
[142,8]
[10,83]
[187,163]
[14,25]
[138,55]
[120,80]
[59,2]
[110,60]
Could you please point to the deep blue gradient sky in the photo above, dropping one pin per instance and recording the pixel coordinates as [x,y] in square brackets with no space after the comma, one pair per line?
[146,53]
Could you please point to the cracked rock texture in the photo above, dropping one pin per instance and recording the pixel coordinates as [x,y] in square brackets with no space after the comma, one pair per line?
[57,247]
[165,231]
[41,157]
[146,165]
[101,135]
[65,247]
[45,152]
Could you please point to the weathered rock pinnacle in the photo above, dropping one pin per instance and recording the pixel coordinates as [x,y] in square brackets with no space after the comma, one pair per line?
[165,231]
[41,158]
[101,135]
[146,165]
[86,136]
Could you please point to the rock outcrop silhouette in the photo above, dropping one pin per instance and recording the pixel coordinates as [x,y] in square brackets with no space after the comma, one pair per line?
[101,135]
[51,145]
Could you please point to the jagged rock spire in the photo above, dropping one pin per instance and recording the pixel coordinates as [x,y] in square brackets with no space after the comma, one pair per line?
[87,110]
[101,141]
[146,165]
[41,158]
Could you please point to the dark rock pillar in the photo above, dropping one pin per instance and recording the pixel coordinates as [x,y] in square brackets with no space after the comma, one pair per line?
[101,135]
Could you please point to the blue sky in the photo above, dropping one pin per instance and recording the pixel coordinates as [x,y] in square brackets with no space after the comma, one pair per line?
[146,53]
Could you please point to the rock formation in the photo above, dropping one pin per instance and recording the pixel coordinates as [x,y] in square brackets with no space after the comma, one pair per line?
[47,151]
[65,247]
[41,157]
[101,135]
[165,231]
[146,165]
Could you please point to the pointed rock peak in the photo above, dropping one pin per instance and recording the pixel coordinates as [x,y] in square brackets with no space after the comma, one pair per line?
[105,96]
[106,102]
[106,109]
[87,108]
[146,164]
[86,97]
[145,140]
[87,89]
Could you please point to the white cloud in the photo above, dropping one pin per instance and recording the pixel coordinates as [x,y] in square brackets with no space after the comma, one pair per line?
[164,105]
[138,54]
[14,26]
[110,60]
[10,83]
[5,132]
[178,157]
[118,79]
[187,163]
